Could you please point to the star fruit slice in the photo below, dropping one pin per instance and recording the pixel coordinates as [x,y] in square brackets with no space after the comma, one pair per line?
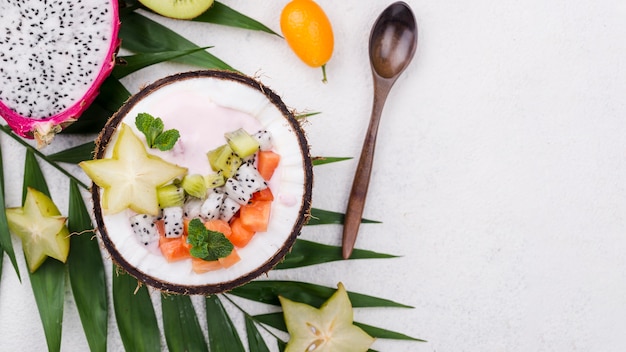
[130,178]
[41,228]
[327,329]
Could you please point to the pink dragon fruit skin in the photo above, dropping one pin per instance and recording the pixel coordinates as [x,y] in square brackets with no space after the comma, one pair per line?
[43,130]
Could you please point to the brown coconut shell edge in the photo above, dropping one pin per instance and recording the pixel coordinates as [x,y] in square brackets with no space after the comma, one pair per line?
[305,207]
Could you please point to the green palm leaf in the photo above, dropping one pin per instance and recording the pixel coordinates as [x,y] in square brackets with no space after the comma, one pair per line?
[180,324]
[306,253]
[255,340]
[143,35]
[224,15]
[326,217]
[48,282]
[223,336]
[267,291]
[74,155]
[134,313]
[86,272]
[5,236]
[132,63]
[321,160]
[277,321]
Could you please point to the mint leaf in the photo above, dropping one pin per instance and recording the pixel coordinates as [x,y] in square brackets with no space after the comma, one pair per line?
[152,128]
[206,244]
[166,140]
[143,121]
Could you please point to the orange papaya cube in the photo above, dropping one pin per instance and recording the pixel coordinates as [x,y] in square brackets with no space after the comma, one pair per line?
[255,216]
[229,260]
[201,266]
[240,235]
[267,162]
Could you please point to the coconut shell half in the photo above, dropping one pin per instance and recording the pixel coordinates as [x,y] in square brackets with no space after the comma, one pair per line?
[188,102]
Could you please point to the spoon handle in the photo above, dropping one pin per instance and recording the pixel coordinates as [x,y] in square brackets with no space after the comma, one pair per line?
[356,202]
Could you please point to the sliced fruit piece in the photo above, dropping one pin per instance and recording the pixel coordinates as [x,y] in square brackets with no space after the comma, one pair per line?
[173,224]
[184,10]
[210,209]
[174,249]
[264,194]
[267,163]
[255,216]
[214,180]
[236,191]
[145,228]
[55,57]
[240,236]
[250,178]
[41,228]
[327,329]
[219,226]
[232,259]
[194,185]
[264,137]
[170,196]
[201,266]
[224,159]
[130,178]
[242,143]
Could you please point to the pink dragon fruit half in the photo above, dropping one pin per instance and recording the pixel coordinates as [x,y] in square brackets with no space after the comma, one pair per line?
[54,55]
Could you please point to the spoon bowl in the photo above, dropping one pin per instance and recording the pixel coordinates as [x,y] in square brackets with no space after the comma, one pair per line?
[392,45]
[393,41]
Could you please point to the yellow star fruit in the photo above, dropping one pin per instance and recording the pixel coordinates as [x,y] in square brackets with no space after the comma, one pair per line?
[130,178]
[327,329]
[41,228]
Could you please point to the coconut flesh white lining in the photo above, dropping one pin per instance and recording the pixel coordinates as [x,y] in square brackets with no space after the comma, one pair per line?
[287,184]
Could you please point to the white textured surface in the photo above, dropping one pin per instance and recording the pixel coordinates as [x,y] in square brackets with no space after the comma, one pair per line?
[500,172]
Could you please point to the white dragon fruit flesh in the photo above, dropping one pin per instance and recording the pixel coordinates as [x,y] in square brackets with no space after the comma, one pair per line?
[236,191]
[54,55]
[250,178]
[144,228]
[191,208]
[173,224]
[228,209]
[210,209]
[264,137]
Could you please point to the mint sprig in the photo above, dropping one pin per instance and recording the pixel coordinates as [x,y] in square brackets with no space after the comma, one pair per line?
[207,244]
[153,129]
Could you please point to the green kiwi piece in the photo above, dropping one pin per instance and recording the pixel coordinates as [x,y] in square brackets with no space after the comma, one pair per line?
[180,9]
[170,196]
[194,185]
[242,143]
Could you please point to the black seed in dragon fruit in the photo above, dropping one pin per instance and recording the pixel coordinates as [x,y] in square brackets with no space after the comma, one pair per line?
[210,208]
[228,209]
[250,178]
[173,222]
[54,55]
[191,208]
[144,228]
[235,190]
[264,137]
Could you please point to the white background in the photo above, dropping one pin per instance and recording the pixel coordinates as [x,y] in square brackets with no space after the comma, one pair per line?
[500,172]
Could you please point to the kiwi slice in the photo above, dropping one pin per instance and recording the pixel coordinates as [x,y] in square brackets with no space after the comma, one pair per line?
[242,143]
[170,196]
[180,9]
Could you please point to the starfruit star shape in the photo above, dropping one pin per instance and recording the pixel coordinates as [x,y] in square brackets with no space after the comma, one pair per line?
[327,329]
[130,178]
[41,228]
